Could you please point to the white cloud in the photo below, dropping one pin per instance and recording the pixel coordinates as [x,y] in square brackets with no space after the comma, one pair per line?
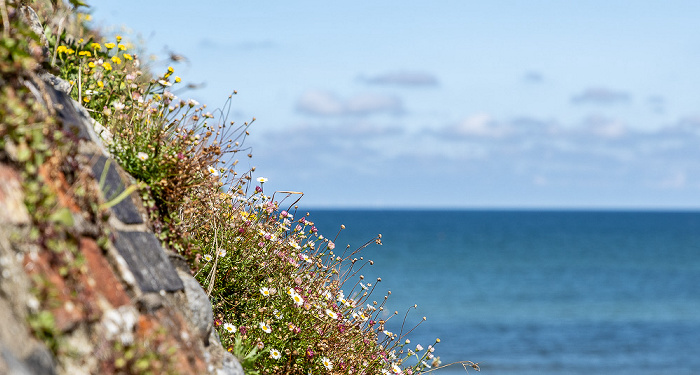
[601,96]
[404,79]
[324,103]
[478,125]
[604,127]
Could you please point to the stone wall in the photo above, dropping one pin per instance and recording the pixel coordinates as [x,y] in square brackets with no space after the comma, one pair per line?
[134,300]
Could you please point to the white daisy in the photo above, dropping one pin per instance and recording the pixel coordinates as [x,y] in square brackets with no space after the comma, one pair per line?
[230,327]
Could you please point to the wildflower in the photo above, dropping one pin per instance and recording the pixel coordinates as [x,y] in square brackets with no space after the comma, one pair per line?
[91,64]
[230,328]
[164,83]
[62,49]
[265,292]
[119,38]
[265,327]
[110,45]
[277,314]
[84,53]
[221,253]
[142,156]
[396,369]
[116,60]
[208,257]
[262,180]
[101,84]
[331,245]
[118,106]
[327,363]
[178,79]
[96,46]
[192,103]
[107,66]
[275,354]
[425,364]
[212,171]
[86,99]
[121,47]
[331,314]
[128,57]
[90,92]
[363,286]
[298,300]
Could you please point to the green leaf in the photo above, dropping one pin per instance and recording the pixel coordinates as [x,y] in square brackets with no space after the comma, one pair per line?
[63,216]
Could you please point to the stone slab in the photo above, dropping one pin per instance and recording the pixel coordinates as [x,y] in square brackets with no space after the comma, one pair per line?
[113,185]
[147,261]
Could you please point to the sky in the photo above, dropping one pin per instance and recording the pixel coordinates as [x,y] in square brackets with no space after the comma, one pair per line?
[446,104]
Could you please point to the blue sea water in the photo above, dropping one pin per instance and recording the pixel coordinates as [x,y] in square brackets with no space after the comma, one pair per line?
[539,292]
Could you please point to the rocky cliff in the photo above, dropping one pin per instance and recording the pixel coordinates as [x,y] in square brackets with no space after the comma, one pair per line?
[85,285]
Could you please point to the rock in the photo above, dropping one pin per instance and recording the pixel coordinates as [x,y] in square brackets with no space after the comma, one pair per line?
[147,261]
[12,209]
[10,365]
[198,306]
[112,186]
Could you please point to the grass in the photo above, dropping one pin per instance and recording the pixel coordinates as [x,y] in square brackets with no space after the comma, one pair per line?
[285,299]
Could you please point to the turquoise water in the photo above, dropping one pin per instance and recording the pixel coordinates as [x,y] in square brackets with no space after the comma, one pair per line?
[540,292]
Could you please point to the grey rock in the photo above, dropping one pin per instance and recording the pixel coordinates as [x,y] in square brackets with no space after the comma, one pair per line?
[150,302]
[57,83]
[198,306]
[10,365]
[147,261]
[41,362]
[220,361]
[32,20]
[230,365]
[113,185]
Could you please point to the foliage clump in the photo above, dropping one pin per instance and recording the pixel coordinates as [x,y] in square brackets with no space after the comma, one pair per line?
[286,300]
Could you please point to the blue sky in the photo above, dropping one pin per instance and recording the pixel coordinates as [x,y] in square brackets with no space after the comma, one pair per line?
[448,104]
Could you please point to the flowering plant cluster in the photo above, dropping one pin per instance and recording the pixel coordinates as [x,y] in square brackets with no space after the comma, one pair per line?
[286,300]
[283,289]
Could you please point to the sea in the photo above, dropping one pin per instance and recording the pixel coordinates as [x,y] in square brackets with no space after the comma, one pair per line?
[536,291]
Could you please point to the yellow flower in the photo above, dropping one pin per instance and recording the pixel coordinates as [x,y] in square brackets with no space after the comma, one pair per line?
[128,57]
[84,53]
[178,79]
[91,64]
[96,46]
[170,69]
[110,45]
[101,84]
[80,40]
[86,99]
[107,66]
[119,38]
[61,49]
[116,60]
[121,47]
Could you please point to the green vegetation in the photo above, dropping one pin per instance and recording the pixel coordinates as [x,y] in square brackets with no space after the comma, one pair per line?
[285,299]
